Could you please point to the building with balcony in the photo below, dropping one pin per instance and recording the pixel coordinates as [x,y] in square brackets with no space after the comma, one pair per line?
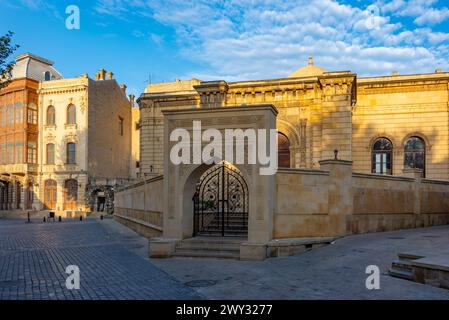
[19,132]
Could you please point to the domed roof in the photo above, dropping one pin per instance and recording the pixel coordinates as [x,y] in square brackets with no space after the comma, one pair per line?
[308,71]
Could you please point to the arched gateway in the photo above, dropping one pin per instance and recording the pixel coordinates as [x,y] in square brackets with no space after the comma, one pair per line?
[221,202]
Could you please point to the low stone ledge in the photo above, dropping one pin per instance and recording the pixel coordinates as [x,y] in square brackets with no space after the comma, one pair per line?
[146,224]
[253,251]
[303,171]
[162,247]
[292,246]
[381,177]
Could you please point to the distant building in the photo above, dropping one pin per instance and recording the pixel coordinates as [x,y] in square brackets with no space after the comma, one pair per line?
[64,143]
[19,132]
[85,143]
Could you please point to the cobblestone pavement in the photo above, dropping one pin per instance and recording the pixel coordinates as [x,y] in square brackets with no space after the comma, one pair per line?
[333,272]
[33,259]
[114,265]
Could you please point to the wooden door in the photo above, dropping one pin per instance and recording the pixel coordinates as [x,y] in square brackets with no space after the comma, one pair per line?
[50,195]
[70,194]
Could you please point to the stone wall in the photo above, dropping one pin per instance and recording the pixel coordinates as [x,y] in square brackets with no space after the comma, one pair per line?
[109,150]
[316,202]
[140,207]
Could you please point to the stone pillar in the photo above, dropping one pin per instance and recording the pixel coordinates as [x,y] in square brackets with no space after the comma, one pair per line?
[2,196]
[10,195]
[22,197]
[82,181]
[60,194]
[303,143]
[340,195]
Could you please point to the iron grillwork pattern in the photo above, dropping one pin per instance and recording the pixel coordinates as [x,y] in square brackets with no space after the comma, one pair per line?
[221,202]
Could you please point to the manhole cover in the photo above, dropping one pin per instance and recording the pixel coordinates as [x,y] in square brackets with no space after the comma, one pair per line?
[200,283]
[396,238]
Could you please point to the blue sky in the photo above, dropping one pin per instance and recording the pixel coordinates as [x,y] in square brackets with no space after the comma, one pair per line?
[233,39]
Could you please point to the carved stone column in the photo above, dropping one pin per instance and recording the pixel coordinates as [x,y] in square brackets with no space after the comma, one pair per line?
[303,142]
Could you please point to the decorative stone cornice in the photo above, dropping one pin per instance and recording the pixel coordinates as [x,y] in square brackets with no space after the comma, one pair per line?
[212,93]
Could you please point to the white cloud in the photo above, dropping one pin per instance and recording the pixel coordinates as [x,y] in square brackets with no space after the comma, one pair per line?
[422,10]
[256,39]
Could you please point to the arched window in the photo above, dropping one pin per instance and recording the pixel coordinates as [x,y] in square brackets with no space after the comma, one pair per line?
[50,153]
[47,76]
[382,159]
[71,153]
[71,114]
[283,151]
[51,115]
[415,153]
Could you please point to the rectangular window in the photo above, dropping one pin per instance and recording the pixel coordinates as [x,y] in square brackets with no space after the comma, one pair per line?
[3,115]
[32,113]
[50,153]
[120,125]
[71,153]
[19,113]
[10,115]
[32,152]
[3,153]
[32,116]
[10,152]
[19,152]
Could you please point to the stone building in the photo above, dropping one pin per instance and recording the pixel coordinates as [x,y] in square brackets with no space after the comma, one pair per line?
[355,155]
[320,112]
[84,143]
[19,132]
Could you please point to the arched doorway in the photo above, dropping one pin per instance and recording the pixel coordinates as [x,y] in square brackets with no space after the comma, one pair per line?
[221,202]
[70,194]
[283,151]
[50,194]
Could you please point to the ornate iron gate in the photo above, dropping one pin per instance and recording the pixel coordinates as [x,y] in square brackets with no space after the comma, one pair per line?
[221,202]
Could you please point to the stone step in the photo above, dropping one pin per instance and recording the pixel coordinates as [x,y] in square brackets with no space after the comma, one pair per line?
[400,274]
[212,240]
[208,246]
[227,254]
[409,256]
[402,265]
[227,226]
[228,234]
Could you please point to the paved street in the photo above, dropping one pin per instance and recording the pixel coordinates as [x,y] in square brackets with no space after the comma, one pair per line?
[333,272]
[33,258]
[113,265]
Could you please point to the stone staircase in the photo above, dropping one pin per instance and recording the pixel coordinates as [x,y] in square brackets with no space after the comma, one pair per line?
[236,225]
[210,247]
[402,268]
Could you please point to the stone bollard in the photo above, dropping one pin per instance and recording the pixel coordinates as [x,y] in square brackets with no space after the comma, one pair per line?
[81,218]
[45,220]
[28,213]
[59,219]
[101,217]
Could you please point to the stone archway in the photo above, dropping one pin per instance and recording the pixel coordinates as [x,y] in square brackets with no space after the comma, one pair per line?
[100,198]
